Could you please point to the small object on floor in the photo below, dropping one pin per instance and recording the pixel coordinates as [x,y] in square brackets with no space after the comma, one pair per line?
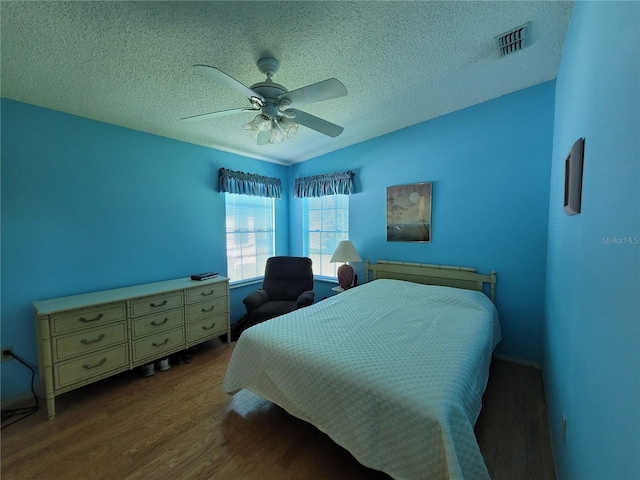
[186,356]
[177,359]
[148,370]
[164,365]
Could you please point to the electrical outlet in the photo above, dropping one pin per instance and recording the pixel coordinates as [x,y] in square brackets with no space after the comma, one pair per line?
[6,358]
[564,429]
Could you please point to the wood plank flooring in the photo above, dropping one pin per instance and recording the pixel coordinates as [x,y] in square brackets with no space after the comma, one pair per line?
[178,425]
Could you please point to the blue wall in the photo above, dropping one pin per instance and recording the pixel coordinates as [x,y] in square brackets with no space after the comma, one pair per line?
[592,361]
[489,165]
[90,206]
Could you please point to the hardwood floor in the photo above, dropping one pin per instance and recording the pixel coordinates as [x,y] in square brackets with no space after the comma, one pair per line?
[512,429]
[179,425]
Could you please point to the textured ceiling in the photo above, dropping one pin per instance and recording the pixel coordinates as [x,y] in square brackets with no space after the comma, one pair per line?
[130,63]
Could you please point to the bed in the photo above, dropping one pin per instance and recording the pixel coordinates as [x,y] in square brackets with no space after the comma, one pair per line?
[393,370]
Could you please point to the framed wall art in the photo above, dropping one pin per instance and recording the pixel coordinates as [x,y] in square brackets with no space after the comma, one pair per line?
[409,212]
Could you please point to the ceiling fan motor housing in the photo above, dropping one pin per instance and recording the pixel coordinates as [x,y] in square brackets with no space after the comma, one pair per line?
[270,91]
[270,109]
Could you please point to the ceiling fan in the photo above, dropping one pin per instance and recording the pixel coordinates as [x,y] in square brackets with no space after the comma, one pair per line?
[277,118]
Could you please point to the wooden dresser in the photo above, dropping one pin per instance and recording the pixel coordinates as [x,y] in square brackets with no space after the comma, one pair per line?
[84,338]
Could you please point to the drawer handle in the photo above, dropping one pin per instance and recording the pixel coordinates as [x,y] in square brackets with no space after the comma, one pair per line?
[166,340]
[87,320]
[84,341]
[204,294]
[159,305]
[208,309]
[157,324]
[209,328]
[89,367]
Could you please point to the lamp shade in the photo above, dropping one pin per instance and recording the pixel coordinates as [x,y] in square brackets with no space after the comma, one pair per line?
[345,252]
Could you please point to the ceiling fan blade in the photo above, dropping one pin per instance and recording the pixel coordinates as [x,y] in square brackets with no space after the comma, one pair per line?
[315,123]
[318,92]
[225,79]
[221,113]
[263,138]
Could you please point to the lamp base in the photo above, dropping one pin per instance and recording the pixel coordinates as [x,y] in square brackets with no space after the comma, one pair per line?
[345,276]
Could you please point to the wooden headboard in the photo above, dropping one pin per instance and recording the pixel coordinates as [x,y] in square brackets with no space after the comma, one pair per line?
[459,277]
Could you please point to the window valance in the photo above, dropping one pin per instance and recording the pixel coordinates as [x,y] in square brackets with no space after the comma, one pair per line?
[242,183]
[340,183]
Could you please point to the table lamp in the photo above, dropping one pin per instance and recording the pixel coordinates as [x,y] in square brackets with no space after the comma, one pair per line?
[345,252]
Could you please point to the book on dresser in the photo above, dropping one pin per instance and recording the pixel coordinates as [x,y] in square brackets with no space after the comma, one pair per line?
[84,338]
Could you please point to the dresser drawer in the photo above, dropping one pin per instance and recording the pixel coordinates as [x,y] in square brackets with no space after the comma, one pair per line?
[211,327]
[88,317]
[156,345]
[69,346]
[206,292]
[158,322]
[156,303]
[93,365]
[208,308]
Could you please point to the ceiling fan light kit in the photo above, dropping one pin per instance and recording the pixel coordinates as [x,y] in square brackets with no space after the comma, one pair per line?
[276,119]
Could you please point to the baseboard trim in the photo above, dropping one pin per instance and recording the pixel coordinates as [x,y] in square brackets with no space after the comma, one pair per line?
[19,401]
[519,361]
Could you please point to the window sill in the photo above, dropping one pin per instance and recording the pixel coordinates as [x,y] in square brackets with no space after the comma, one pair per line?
[258,281]
[244,283]
[320,278]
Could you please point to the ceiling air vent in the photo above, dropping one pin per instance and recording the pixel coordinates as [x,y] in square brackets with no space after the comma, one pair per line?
[514,40]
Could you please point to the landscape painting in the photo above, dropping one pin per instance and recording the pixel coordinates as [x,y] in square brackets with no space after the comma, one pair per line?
[409,213]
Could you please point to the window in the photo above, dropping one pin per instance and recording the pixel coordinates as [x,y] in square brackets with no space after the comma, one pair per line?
[250,235]
[325,221]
